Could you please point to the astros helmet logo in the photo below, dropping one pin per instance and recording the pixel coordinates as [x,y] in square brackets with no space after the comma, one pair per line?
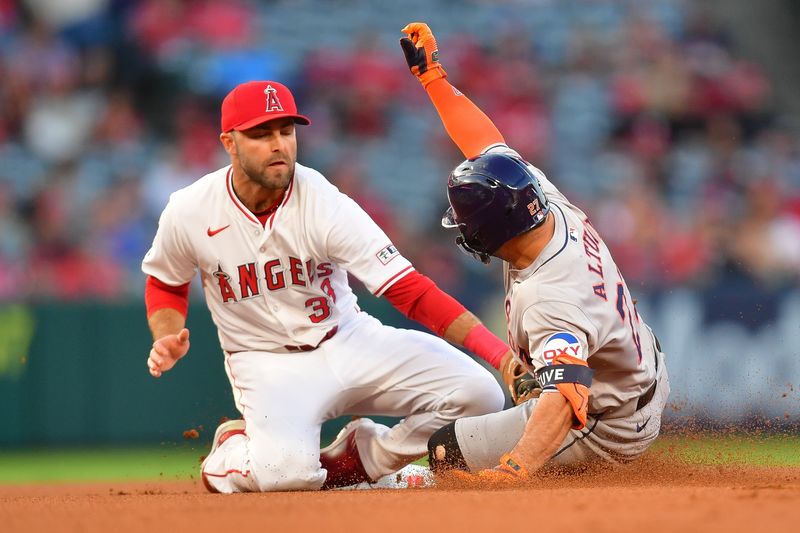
[273,104]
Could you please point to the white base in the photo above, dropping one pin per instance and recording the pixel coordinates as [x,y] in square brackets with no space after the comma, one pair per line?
[411,476]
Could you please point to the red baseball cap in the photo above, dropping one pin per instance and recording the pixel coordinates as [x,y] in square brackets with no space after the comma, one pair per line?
[256,102]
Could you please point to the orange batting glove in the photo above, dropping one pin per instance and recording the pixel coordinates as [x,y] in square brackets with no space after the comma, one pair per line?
[422,53]
[508,473]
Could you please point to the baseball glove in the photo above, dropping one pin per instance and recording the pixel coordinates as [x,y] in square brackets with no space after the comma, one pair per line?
[522,386]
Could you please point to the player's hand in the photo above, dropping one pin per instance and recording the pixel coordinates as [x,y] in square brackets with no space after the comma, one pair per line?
[166,351]
[508,473]
[422,53]
[489,478]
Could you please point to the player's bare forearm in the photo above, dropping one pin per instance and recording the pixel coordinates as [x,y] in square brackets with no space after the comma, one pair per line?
[171,340]
[468,331]
[545,431]
[457,331]
[166,321]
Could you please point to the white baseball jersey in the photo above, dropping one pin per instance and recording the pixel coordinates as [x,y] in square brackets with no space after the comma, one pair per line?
[572,299]
[278,285]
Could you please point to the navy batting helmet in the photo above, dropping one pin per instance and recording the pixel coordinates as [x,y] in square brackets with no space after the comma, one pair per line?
[493,198]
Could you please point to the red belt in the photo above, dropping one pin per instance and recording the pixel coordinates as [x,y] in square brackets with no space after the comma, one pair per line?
[308,347]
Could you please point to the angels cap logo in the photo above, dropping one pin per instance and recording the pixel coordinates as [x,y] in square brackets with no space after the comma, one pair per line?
[273,103]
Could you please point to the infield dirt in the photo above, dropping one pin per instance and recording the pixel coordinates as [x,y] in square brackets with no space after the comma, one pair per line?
[649,496]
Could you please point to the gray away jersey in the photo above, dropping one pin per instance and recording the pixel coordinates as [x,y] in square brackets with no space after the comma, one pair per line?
[573,300]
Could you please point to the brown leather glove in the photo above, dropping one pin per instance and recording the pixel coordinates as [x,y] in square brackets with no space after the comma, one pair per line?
[521,385]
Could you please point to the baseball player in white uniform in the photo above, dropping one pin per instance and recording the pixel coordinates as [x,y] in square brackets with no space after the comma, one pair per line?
[273,242]
[571,319]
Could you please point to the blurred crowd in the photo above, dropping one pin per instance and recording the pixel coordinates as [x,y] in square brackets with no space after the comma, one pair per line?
[644,113]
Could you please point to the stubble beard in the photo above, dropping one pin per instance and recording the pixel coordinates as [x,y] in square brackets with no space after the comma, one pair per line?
[266,176]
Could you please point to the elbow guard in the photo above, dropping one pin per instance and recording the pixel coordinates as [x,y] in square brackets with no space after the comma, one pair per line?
[572,377]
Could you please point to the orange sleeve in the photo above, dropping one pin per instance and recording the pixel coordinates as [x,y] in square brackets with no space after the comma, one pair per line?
[466,124]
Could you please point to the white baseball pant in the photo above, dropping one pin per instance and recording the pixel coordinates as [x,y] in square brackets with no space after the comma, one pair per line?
[367,368]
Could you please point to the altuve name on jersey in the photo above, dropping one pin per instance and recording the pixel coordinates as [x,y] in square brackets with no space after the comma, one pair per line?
[591,245]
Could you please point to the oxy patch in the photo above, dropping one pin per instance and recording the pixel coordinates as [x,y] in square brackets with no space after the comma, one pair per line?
[559,343]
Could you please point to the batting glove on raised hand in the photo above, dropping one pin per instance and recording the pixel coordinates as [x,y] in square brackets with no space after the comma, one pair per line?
[422,53]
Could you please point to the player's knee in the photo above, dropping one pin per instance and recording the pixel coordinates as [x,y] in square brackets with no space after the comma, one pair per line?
[444,453]
[288,473]
[479,395]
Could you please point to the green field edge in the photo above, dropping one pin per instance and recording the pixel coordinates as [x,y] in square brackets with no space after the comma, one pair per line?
[182,462]
[92,464]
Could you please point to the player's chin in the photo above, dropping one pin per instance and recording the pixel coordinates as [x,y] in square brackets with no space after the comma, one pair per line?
[277,176]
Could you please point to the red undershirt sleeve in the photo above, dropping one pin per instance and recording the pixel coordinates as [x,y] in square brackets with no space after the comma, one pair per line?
[159,295]
[418,298]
